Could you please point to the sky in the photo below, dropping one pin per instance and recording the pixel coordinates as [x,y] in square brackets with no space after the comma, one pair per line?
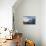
[6,13]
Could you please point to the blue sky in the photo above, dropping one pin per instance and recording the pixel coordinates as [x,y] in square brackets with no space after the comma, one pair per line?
[29,17]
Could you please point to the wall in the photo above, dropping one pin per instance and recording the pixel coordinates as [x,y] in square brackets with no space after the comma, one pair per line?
[43,22]
[29,8]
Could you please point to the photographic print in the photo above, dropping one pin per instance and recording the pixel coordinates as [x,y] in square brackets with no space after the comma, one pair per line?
[29,19]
